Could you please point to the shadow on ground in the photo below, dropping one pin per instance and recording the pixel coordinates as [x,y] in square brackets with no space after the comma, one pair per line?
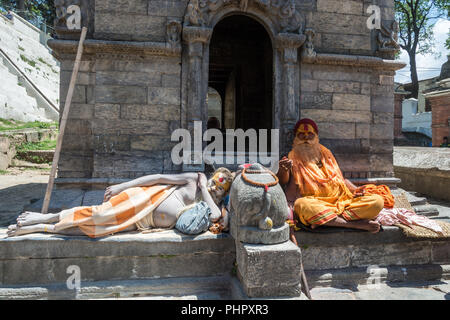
[14,198]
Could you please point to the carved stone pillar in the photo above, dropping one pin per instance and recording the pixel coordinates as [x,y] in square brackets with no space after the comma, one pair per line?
[195,39]
[288,45]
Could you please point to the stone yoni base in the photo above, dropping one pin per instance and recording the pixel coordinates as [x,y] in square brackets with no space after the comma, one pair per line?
[269,270]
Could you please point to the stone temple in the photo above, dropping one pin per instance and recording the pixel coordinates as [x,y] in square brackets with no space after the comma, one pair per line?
[148,66]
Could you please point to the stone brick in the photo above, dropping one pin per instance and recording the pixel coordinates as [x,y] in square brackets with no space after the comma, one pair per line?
[337,257]
[383,118]
[381,162]
[147,112]
[107,111]
[308,85]
[346,41]
[355,102]
[81,111]
[151,142]
[74,163]
[382,104]
[4,144]
[339,86]
[362,130]
[135,6]
[128,78]
[378,146]
[171,80]
[340,74]
[340,6]
[353,162]
[342,145]
[382,131]
[336,115]
[133,127]
[123,26]
[78,126]
[120,94]
[83,78]
[76,142]
[159,95]
[340,23]
[269,270]
[106,143]
[316,100]
[79,94]
[166,65]
[166,8]
[336,130]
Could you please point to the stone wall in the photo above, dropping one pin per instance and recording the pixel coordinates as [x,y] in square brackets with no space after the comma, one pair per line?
[131,92]
[353,107]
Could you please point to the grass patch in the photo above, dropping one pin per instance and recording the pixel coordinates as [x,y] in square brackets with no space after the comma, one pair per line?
[10,124]
[21,48]
[41,60]
[30,62]
[3,172]
[41,145]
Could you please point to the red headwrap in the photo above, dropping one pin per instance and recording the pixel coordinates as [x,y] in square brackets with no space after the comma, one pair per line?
[306,121]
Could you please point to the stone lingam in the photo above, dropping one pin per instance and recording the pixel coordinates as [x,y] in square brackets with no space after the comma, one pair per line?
[259,207]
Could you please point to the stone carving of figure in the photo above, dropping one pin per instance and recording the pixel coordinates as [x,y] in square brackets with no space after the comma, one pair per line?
[291,20]
[194,15]
[173,32]
[387,38]
[308,50]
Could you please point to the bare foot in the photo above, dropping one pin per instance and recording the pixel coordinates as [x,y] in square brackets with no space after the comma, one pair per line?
[369,225]
[30,218]
[15,230]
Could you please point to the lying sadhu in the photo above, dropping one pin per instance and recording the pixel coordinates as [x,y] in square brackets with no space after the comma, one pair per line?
[154,201]
[317,192]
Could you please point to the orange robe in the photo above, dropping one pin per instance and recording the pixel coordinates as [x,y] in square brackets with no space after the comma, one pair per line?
[325,195]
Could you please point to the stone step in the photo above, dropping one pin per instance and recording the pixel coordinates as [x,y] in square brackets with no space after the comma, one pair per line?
[426,210]
[44,259]
[193,288]
[358,249]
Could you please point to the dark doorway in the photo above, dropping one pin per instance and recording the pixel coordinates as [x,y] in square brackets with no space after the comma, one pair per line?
[241,70]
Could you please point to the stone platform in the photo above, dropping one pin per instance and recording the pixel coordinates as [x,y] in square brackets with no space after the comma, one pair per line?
[164,263]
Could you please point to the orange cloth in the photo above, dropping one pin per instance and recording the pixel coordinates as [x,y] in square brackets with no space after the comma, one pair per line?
[381,190]
[120,212]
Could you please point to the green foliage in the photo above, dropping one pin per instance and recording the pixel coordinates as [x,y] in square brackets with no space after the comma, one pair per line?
[30,62]
[416,21]
[6,125]
[447,42]
[42,8]
[41,145]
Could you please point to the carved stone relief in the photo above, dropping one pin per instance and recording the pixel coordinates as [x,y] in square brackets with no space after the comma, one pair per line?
[387,38]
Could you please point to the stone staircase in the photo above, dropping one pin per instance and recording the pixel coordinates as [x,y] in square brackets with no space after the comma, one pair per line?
[15,103]
[29,89]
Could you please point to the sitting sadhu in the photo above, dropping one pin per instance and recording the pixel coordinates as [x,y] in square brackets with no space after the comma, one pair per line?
[317,192]
[187,201]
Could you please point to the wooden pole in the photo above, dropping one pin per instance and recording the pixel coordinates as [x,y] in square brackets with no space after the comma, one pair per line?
[62,126]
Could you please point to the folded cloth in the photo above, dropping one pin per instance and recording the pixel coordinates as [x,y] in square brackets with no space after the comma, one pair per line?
[195,219]
[389,217]
[381,190]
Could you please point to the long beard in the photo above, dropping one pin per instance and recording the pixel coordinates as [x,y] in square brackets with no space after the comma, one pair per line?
[307,152]
[216,195]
